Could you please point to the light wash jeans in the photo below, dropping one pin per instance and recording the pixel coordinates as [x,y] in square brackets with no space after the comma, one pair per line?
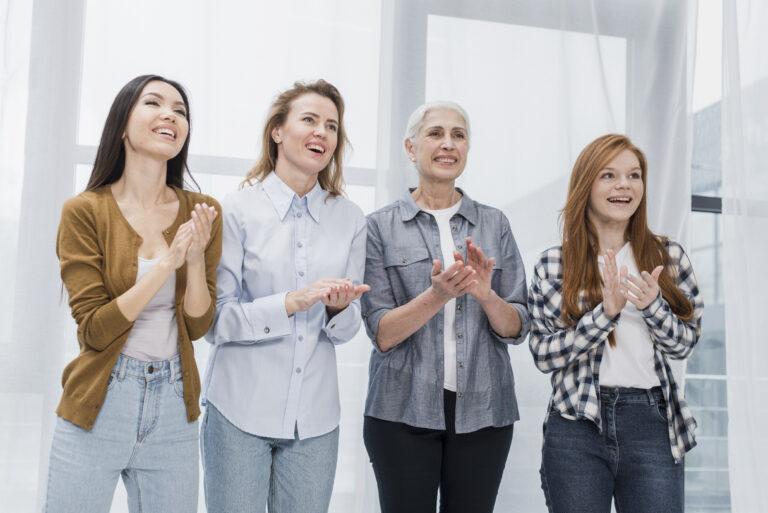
[245,472]
[140,433]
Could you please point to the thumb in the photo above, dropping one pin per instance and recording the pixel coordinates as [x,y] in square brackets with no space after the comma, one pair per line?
[457,257]
[656,272]
[436,267]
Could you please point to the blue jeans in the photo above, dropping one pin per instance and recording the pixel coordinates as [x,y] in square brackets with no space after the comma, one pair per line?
[141,434]
[583,470]
[245,472]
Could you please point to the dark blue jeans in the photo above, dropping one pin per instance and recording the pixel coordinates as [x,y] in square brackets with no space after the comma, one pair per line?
[582,470]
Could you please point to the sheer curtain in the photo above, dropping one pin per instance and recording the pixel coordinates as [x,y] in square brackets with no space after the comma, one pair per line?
[745,244]
[539,79]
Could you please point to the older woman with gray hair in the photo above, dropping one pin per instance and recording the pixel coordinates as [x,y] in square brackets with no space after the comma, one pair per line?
[448,295]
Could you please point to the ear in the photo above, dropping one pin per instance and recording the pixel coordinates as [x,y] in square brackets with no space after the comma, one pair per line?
[276,135]
[410,150]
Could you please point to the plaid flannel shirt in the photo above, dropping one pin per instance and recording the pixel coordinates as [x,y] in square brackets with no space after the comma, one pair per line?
[573,353]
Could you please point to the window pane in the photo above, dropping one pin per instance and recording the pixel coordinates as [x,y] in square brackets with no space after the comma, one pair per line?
[233,57]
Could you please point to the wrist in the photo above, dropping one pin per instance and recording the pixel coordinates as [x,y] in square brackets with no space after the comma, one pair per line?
[435,296]
[488,298]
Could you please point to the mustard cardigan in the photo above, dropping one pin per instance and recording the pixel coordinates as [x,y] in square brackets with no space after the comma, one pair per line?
[98,254]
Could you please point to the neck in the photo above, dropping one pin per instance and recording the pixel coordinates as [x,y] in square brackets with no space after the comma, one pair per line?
[143,181]
[299,182]
[610,234]
[435,195]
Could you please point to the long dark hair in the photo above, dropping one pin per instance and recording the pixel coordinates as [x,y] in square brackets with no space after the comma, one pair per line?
[110,156]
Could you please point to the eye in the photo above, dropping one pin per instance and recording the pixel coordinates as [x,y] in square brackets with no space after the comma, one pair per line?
[333,128]
[434,133]
[635,176]
[308,119]
[607,175]
[181,112]
[460,135]
[152,102]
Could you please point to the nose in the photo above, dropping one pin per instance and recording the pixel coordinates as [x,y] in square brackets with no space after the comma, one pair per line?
[622,182]
[320,130]
[447,142]
[169,115]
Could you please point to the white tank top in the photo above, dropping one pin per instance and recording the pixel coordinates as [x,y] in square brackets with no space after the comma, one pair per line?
[155,336]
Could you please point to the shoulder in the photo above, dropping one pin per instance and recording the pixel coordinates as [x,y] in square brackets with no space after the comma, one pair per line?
[549,263]
[384,214]
[87,203]
[344,206]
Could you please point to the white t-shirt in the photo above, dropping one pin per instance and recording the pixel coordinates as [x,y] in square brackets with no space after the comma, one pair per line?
[630,363]
[447,246]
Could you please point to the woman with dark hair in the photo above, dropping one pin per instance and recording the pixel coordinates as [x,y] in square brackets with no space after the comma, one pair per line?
[289,283]
[138,257]
[442,314]
[609,308]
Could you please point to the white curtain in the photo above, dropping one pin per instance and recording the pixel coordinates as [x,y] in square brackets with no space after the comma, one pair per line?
[745,244]
[539,79]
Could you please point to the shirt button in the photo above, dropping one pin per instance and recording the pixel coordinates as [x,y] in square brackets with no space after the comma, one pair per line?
[461,364]
[453,228]
[460,246]
[458,307]
[459,394]
[298,215]
[299,244]
[266,330]
[301,273]
[405,261]
[301,337]
[298,370]
[460,335]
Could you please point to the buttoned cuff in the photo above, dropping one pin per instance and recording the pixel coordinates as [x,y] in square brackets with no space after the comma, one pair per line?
[267,317]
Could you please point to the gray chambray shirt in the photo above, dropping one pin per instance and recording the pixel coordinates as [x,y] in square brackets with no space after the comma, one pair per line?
[406,383]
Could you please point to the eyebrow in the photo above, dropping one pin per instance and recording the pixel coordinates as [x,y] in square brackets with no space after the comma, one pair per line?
[636,168]
[438,127]
[177,102]
[310,113]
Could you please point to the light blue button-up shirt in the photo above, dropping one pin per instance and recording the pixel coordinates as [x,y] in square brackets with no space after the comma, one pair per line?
[270,374]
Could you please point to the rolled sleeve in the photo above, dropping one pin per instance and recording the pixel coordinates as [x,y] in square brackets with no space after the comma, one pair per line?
[512,288]
[380,299]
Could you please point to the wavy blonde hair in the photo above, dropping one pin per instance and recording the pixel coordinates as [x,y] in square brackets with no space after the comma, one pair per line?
[331,178]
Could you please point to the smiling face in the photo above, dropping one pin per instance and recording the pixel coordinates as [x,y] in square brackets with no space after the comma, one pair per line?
[440,148]
[307,138]
[158,123]
[617,191]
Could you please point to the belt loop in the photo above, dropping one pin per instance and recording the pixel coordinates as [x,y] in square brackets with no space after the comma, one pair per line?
[651,399]
[172,365]
[121,372]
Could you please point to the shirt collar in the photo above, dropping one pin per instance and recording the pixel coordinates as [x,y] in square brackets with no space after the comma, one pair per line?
[282,196]
[409,209]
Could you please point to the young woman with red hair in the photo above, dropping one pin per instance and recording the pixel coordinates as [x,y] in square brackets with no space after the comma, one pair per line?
[609,309]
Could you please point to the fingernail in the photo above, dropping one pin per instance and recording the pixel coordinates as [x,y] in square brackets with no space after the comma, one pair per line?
[624,282]
[645,273]
[629,275]
[623,293]
[194,214]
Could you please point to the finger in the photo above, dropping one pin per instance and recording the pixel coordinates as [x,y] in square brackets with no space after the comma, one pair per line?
[648,279]
[466,278]
[457,257]
[657,272]
[491,261]
[466,287]
[460,275]
[454,268]
[436,266]
[638,282]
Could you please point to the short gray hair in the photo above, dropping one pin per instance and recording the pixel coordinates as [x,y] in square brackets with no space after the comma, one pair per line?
[417,117]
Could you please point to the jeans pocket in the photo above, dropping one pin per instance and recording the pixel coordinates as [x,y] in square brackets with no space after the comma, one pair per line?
[660,409]
[111,382]
[178,387]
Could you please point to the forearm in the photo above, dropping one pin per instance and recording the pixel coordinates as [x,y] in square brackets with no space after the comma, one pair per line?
[403,321]
[503,317]
[134,300]
[197,298]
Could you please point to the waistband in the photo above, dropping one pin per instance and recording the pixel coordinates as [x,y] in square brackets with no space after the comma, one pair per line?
[166,369]
[629,394]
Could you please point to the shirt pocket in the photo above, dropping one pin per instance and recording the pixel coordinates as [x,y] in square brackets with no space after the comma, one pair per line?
[409,271]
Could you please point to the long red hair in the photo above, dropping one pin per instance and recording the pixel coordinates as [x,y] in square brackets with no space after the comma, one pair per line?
[581,274]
